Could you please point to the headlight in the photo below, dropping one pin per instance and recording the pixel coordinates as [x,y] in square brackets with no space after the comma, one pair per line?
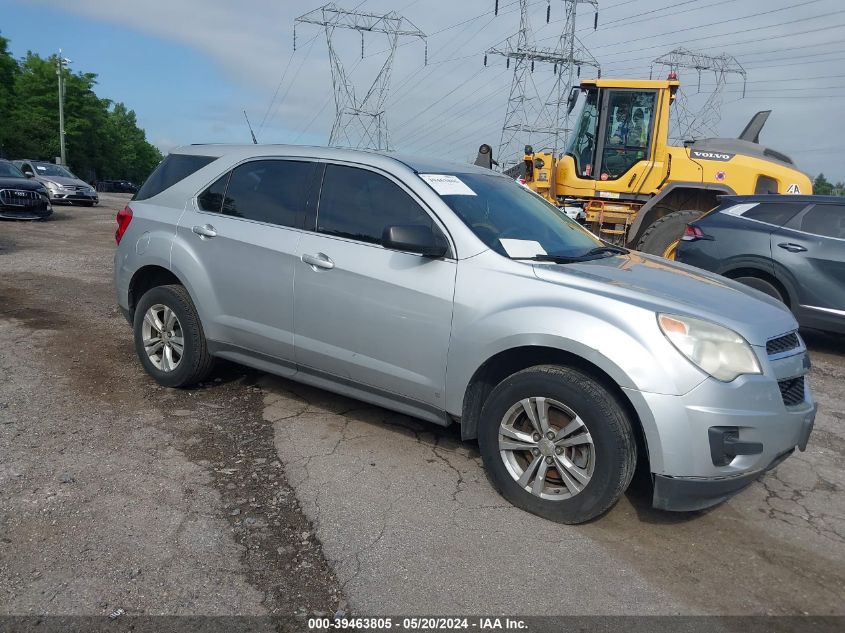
[52,186]
[716,350]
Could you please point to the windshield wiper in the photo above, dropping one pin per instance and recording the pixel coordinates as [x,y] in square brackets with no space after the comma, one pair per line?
[569,259]
[610,248]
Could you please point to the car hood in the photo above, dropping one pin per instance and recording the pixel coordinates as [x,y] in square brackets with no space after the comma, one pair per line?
[661,285]
[25,184]
[63,180]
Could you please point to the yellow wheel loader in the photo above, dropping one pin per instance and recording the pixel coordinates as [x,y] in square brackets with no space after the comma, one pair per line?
[620,176]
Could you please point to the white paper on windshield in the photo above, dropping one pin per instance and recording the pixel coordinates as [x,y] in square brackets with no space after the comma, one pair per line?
[447,185]
[522,248]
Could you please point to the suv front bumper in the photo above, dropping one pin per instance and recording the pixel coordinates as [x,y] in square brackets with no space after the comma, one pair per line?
[712,442]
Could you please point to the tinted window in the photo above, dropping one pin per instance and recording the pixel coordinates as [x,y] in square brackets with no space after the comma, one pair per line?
[8,170]
[827,220]
[778,213]
[212,198]
[359,204]
[171,170]
[274,191]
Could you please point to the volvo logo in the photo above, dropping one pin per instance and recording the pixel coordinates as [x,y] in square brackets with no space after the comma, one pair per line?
[711,155]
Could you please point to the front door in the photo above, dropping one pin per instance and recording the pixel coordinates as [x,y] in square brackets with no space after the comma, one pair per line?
[625,135]
[363,313]
[808,254]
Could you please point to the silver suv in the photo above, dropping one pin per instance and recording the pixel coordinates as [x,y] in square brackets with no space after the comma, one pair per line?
[453,294]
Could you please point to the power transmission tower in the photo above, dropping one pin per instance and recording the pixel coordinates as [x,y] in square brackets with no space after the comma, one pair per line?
[532,117]
[360,122]
[687,122]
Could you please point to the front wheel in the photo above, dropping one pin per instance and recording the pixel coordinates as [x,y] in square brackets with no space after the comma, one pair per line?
[169,339]
[557,443]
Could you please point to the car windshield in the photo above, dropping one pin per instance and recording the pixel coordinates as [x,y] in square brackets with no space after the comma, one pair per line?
[512,220]
[48,169]
[8,170]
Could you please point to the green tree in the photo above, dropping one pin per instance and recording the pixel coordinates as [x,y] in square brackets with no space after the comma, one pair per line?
[821,186]
[102,139]
[8,70]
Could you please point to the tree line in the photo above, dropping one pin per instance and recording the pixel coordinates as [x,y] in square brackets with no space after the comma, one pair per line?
[102,137]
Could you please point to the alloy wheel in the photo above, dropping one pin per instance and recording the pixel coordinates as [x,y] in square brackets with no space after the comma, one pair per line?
[164,342]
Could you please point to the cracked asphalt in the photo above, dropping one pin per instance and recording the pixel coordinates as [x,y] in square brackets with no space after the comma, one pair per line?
[252,494]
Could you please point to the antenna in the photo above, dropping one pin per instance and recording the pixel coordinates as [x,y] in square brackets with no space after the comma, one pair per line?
[254,140]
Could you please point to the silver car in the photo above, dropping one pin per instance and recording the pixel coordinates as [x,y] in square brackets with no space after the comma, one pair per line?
[450,293]
[62,185]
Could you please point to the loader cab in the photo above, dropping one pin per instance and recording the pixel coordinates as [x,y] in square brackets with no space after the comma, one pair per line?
[616,128]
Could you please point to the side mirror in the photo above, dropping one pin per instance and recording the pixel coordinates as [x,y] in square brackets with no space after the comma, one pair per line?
[28,173]
[414,238]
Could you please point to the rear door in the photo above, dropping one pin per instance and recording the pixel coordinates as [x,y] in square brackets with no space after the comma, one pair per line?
[243,231]
[809,255]
[377,317]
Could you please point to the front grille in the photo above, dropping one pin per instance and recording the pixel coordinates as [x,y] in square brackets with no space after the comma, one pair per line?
[792,391]
[782,344]
[20,198]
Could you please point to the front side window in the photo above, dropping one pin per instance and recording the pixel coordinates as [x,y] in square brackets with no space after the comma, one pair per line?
[360,204]
[510,219]
[272,191]
[627,133]
[827,220]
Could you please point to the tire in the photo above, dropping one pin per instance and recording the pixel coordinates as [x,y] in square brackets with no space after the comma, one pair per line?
[763,286]
[602,450]
[173,369]
[661,238]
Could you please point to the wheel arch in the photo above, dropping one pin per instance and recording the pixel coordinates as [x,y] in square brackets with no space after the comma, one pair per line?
[676,196]
[507,362]
[148,277]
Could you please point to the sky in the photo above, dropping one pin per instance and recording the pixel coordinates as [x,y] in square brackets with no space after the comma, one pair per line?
[189,68]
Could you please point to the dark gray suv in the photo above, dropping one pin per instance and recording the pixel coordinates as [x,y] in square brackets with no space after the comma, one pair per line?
[790,247]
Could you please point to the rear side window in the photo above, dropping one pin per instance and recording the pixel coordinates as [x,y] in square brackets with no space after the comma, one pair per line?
[359,204]
[273,191]
[827,220]
[777,213]
[171,170]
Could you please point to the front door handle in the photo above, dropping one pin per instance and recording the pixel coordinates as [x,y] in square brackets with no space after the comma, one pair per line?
[206,230]
[792,248]
[320,260]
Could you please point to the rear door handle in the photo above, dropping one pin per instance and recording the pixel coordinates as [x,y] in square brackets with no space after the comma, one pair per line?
[792,248]
[320,260]
[206,230]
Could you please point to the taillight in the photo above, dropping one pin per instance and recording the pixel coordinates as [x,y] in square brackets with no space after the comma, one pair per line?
[692,233]
[124,217]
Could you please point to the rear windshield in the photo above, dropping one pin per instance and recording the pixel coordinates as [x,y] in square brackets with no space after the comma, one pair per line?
[171,170]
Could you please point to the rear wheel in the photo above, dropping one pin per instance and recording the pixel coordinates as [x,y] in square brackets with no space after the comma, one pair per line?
[662,237]
[169,339]
[763,286]
[555,442]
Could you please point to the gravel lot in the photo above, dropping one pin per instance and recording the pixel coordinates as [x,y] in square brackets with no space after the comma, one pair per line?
[253,495]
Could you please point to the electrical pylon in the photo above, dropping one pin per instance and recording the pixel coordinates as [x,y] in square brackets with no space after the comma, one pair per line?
[540,118]
[360,122]
[686,122]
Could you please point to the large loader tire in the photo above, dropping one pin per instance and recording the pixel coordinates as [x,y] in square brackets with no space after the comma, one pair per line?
[662,237]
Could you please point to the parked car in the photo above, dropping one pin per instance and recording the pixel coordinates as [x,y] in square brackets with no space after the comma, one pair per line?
[116,186]
[450,293]
[20,197]
[61,184]
[790,247]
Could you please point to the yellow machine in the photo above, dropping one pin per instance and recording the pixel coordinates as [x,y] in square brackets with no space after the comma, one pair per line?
[628,185]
